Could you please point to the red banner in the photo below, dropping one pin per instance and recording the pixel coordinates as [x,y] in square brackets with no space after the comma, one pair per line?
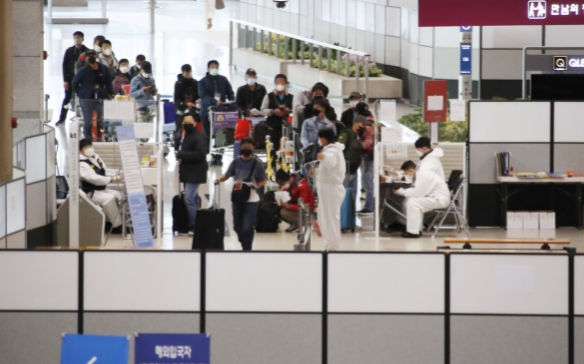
[435,101]
[445,13]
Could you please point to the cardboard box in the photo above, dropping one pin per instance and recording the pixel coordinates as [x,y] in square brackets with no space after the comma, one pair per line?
[514,220]
[530,220]
[547,220]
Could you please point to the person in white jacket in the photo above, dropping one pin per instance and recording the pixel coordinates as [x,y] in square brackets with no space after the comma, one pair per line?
[95,177]
[331,192]
[429,158]
[429,192]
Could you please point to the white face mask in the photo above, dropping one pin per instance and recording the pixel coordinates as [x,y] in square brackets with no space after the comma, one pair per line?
[138,66]
[97,48]
[145,75]
[214,71]
[251,81]
[420,154]
[78,42]
[280,88]
[319,143]
[353,104]
[89,152]
[409,179]
[125,69]
[107,52]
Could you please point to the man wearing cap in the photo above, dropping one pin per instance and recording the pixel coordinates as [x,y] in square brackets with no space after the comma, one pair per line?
[349,114]
[143,89]
[249,97]
[93,84]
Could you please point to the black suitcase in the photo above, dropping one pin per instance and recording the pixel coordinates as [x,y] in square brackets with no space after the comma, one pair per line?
[224,137]
[180,215]
[260,131]
[268,217]
[210,228]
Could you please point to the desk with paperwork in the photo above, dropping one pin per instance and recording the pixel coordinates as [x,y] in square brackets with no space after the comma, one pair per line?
[506,181]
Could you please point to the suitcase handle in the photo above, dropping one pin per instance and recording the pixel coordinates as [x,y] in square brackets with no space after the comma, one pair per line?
[216,196]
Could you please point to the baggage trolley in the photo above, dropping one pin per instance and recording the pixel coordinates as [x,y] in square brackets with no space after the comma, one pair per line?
[220,118]
[304,227]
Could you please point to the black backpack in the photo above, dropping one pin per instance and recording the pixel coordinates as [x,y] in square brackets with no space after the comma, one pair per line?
[268,217]
[260,132]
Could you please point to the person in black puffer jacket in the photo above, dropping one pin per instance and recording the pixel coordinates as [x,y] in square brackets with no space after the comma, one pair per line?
[186,96]
[193,166]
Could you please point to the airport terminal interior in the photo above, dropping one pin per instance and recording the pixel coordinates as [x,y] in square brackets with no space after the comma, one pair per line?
[414,195]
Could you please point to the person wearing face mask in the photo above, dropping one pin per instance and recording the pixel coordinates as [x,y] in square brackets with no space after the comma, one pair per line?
[366,134]
[301,100]
[331,192]
[82,61]
[143,89]
[248,174]
[135,70]
[251,95]
[71,56]
[311,127]
[92,84]
[107,56]
[193,166]
[429,158]
[276,107]
[122,77]
[214,89]
[95,177]
[349,137]
[186,98]
[430,192]
[318,93]
[350,114]
[298,188]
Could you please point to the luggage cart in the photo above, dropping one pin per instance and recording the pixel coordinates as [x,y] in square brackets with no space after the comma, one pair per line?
[220,119]
[304,227]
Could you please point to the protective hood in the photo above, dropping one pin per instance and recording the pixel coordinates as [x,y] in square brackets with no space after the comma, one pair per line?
[436,153]
[338,146]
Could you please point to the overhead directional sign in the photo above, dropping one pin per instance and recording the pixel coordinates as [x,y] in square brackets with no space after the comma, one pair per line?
[173,348]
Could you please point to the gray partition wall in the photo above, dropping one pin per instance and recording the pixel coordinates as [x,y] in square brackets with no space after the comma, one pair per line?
[375,318]
[568,137]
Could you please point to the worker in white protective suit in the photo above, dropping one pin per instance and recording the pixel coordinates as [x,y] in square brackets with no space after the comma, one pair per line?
[331,192]
[429,158]
[95,177]
[430,192]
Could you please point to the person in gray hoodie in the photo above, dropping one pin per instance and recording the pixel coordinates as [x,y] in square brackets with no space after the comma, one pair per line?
[143,89]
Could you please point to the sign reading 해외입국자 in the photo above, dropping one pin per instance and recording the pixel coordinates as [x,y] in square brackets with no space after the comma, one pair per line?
[94,349]
[135,187]
[173,348]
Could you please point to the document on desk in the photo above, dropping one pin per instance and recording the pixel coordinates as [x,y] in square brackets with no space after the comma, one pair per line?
[135,187]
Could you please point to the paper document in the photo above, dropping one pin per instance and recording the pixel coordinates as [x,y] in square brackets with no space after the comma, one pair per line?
[391,135]
[119,110]
[435,103]
[282,196]
[457,110]
[387,110]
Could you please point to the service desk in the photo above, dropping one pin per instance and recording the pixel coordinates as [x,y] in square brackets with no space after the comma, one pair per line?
[505,195]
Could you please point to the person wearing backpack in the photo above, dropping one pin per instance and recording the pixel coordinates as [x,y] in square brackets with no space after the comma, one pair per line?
[277,107]
[349,137]
[248,174]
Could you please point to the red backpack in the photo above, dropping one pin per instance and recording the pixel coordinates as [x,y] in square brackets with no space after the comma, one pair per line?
[243,129]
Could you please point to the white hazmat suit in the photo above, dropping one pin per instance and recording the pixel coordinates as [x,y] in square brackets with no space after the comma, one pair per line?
[107,199]
[331,194]
[432,162]
[430,192]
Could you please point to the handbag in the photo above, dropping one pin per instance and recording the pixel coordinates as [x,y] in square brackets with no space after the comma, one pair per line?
[242,195]
[219,5]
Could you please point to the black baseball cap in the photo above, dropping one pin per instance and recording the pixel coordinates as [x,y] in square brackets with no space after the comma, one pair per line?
[147,67]
[90,53]
[251,72]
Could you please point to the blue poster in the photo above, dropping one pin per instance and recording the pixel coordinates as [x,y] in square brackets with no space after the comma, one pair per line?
[465,58]
[135,187]
[94,349]
[173,348]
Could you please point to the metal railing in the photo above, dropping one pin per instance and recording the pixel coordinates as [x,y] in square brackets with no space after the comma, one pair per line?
[317,51]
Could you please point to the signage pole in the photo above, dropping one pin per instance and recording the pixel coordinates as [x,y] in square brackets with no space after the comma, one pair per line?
[465,78]
[74,183]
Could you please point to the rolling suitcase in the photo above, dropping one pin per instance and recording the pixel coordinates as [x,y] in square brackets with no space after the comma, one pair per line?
[210,227]
[348,212]
[180,214]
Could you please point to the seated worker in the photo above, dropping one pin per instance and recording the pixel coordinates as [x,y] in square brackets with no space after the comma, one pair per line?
[430,192]
[298,187]
[95,177]
[429,158]
[251,95]
[311,127]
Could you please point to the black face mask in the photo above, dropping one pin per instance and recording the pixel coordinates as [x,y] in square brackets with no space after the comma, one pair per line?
[189,128]
[316,98]
[361,131]
[316,112]
[246,152]
[92,60]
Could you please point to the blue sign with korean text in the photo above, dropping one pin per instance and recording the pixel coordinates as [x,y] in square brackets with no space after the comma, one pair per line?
[141,223]
[465,58]
[173,348]
[467,29]
[94,349]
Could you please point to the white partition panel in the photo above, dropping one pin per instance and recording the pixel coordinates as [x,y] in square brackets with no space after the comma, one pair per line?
[579,285]
[500,122]
[386,283]
[37,280]
[509,284]
[36,159]
[569,122]
[15,206]
[264,282]
[142,281]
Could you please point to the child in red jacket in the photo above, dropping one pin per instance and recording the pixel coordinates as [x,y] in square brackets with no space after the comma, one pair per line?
[298,187]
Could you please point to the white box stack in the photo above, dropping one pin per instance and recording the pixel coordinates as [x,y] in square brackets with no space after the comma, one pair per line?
[547,220]
[530,220]
[514,220]
[524,220]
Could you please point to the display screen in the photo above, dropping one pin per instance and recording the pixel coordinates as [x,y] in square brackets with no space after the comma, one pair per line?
[557,87]
[465,58]
[445,13]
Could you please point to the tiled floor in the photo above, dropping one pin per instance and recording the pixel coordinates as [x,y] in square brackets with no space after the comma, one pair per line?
[181,38]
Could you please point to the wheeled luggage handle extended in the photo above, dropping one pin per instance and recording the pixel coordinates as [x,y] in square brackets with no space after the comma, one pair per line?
[216,196]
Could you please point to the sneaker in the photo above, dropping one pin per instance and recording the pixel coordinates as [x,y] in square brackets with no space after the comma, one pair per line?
[365,213]
[292,229]
[407,235]
[191,233]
